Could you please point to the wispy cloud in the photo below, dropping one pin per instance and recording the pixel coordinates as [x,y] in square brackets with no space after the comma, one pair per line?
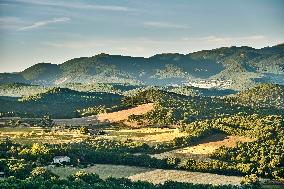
[43,23]
[165,25]
[77,5]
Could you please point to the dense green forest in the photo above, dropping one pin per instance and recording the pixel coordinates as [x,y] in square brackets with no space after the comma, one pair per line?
[57,102]
[265,95]
[172,108]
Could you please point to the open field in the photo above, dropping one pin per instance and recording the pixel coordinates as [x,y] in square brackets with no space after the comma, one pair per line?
[123,114]
[159,176]
[156,176]
[147,135]
[205,147]
[40,135]
[103,170]
[36,134]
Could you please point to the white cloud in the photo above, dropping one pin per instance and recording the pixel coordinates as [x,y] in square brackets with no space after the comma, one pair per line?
[165,25]
[77,5]
[43,23]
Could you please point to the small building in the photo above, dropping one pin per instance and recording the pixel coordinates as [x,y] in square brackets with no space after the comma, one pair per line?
[61,159]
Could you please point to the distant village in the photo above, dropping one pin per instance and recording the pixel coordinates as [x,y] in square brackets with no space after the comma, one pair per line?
[213,83]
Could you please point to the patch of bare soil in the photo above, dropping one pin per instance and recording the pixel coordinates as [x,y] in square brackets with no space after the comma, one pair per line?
[124,114]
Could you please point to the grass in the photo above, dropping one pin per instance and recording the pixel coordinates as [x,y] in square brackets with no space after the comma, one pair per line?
[159,176]
[147,135]
[103,170]
[29,135]
[36,134]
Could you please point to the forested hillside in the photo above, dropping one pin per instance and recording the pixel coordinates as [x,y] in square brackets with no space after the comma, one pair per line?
[57,102]
[242,67]
[265,95]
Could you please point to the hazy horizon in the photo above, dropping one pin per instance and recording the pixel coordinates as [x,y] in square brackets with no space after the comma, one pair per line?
[55,31]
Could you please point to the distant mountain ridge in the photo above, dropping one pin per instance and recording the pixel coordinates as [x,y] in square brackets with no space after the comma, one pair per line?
[243,67]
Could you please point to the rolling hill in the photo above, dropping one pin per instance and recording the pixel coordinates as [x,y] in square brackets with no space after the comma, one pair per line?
[264,95]
[57,102]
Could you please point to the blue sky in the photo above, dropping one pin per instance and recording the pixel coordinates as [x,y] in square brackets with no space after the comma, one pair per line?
[33,31]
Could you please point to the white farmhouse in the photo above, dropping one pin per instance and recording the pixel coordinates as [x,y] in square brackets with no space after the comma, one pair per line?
[61,159]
